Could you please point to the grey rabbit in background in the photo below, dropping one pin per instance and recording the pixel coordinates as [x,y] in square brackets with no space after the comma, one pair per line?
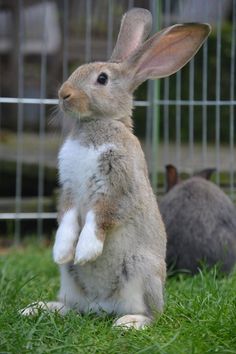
[111,240]
[200,223]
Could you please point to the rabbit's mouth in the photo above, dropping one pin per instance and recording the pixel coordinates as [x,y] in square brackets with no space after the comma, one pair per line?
[66,109]
[73,111]
[74,101]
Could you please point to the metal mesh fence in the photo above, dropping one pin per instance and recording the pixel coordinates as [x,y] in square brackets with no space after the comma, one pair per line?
[187,119]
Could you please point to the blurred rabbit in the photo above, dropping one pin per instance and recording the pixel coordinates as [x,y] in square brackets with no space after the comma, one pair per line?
[111,241]
[200,223]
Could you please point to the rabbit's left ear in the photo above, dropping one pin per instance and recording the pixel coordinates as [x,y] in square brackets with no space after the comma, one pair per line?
[206,173]
[135,26]
[172,176]
[166,52]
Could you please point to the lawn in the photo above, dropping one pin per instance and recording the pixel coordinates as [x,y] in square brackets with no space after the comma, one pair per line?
[200,314]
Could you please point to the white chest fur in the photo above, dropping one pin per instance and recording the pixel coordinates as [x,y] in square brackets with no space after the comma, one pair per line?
[77,165]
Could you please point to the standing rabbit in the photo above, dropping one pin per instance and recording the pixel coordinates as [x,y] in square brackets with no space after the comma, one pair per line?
[111,241]
[200,223]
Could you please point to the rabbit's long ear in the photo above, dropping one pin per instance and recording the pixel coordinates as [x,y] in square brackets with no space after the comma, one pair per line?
[172,177]
[135,26]
[166,52]
[206,173]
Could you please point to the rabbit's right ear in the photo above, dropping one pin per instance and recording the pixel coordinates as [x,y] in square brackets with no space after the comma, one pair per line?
[135,26]
[206,173]
[165,52]
[172,177]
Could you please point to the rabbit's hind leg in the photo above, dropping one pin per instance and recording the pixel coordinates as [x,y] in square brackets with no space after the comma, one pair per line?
[141,300]
[133,321]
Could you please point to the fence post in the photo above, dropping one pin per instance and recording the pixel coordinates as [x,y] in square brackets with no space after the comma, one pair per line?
[153,112]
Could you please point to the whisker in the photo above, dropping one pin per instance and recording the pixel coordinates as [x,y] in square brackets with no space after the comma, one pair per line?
[55,116]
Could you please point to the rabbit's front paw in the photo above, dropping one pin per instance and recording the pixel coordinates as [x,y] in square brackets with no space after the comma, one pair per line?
[66,237]
[89,247]
[63,249]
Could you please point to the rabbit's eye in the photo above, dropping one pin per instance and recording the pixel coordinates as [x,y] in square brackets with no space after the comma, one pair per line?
[102,78]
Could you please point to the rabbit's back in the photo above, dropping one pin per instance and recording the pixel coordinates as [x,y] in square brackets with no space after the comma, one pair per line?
[200,222]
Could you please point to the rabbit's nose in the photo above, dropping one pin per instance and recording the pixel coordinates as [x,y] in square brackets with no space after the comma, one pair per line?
[66,92]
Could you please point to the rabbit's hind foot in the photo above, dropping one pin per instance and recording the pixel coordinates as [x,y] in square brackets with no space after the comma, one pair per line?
[133,321]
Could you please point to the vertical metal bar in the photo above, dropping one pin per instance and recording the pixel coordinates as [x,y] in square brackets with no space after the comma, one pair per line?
[191,107]
[191,112]
[148,133]
[110,28]
[130,4]
[148,129]
[42,126]
[153,110]
[156,11]
[204,96]
[88,31]
[178,119]
[65,58]
[218,90]
[166,156]
[20,121]
[65,53]
[166,121]
[0,92]
[232,94]
[178,107]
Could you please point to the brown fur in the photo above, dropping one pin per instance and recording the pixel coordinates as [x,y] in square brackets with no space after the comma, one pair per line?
[173,178]
[130,37]
[200,223]
[98,100]
[83,100]
[128,221]
[106,216]
[124,271]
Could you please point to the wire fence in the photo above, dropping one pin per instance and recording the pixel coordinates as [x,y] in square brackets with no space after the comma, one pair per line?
[187,120]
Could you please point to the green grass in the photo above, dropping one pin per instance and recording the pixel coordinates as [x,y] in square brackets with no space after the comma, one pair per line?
[200,314]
